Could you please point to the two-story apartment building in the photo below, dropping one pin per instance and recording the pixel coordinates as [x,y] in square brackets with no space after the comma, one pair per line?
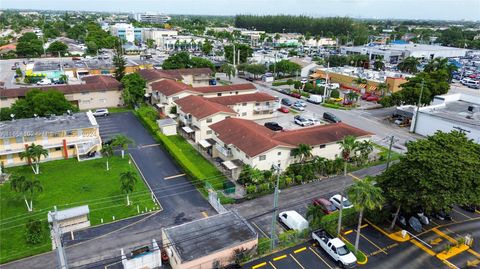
[94,92]
[196,114]
[166,91]
[67,136]
[195,77]
[253,106]
[239,141]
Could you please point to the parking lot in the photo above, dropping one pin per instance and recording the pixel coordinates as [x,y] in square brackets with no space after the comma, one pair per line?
[307,255]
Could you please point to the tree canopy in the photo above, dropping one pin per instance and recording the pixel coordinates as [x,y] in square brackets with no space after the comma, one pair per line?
[58,47]
[29,45]
[184,60]
[38,102]
[435,173]
[245,52]
[133,89]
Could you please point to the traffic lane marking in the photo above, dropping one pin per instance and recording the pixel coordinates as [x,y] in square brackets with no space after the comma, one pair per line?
[422,247]
[468,217]
[259,265]
[318,255]
[285,262]
[174,176]
[280,257]
[297,261]
[258,228]
[300,250]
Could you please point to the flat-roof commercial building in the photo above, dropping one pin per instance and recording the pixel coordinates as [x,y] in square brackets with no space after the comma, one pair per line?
[447,113]
[397,52]
[346,77]
[158,35]
[152,17]
[63,136]
[94,92]
[209,242]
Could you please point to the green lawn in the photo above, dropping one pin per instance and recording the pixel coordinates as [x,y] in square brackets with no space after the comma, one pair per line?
[67,183]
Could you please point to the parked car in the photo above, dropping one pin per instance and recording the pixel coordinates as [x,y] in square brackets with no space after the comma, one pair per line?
[295,95]
[335,248]
[287,102]
[45,81]
[76,58]
[300,103]
[339,99]
[365,95]
[101,112]
[313,120]
[315,99]
[330,117]
[415,224]
[442,215]
[249,79]
[293,220]
[285,91]
[326,206]
[283,109]
[335,200]
[298,107]
[373,98]
[301,121]
[15,66]
[273,126]
[470,208]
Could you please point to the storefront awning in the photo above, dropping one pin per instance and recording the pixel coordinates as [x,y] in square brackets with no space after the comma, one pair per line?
[372,88]
[204,143]
[362,85]
[187,129]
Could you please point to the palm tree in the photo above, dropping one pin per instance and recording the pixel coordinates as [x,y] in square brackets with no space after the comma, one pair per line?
[128,180]
[364,195]
[303,151]
[409,65]
[64,78]
[360,81]
[348,146]
[441,64]
[229,70]
[382,88]
[33,154]
[352,96]
[28,187]
[314,216]
[122,141]
[107,151]
[365,148]
[317,39]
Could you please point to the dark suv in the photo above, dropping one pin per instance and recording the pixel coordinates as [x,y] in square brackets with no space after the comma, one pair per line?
[287,102]
[273,126]
[330,117]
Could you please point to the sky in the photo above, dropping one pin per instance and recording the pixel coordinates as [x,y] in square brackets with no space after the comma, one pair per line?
[393,9]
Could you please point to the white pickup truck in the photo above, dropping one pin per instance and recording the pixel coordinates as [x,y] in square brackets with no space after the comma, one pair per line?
[335,248]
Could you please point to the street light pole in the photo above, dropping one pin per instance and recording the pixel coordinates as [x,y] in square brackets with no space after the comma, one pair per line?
[418,107]
[389,152]
[275,208]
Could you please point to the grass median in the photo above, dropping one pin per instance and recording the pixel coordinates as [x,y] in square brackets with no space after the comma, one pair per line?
[66,184]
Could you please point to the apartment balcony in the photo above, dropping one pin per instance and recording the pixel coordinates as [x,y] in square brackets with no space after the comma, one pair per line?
[264,108]
[86,147]
[227,153]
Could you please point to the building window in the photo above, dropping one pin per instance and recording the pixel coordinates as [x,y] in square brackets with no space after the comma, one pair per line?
[279,153]
[58,148]
[257,104]
[86,101]
[29,138]
[69,132]
[219,94]
[19,139]
[209,120]
[322,146]
[244,113]
[84,93]
[236,92]
[262,157]
[244,104]
[56,134]
[102,100]
[71,146]
[209,132]
[267,103]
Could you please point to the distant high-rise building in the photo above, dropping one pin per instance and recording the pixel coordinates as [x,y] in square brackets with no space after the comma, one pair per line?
[152,17]
[126,32]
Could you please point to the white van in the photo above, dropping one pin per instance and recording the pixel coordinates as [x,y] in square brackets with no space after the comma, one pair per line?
[315,99]
[293,220]
[45,81]
[471,83]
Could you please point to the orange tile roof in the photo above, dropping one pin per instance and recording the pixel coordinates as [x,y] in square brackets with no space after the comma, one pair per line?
[170,87]
[226,88]
[254,139]
[242,98]
[200,107]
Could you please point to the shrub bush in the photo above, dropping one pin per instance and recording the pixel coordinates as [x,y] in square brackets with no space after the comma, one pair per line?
[34,231]
[335,93]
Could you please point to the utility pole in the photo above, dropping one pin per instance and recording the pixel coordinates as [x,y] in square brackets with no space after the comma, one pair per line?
[340,212]
[389,151]
[326,82]
[275,208]
[418,107]
[57,237]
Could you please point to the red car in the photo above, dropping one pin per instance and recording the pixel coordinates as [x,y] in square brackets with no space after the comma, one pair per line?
[347,103]
[283,109]
[372,98]
[366,95]
[296,95]
[326,206]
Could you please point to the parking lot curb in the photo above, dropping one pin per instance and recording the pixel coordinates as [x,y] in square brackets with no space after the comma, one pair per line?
[396,236]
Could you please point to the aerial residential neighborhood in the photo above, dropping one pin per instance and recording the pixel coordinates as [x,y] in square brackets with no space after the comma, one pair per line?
[258,135]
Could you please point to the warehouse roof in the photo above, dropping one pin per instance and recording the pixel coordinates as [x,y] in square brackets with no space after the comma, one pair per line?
[206,236]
